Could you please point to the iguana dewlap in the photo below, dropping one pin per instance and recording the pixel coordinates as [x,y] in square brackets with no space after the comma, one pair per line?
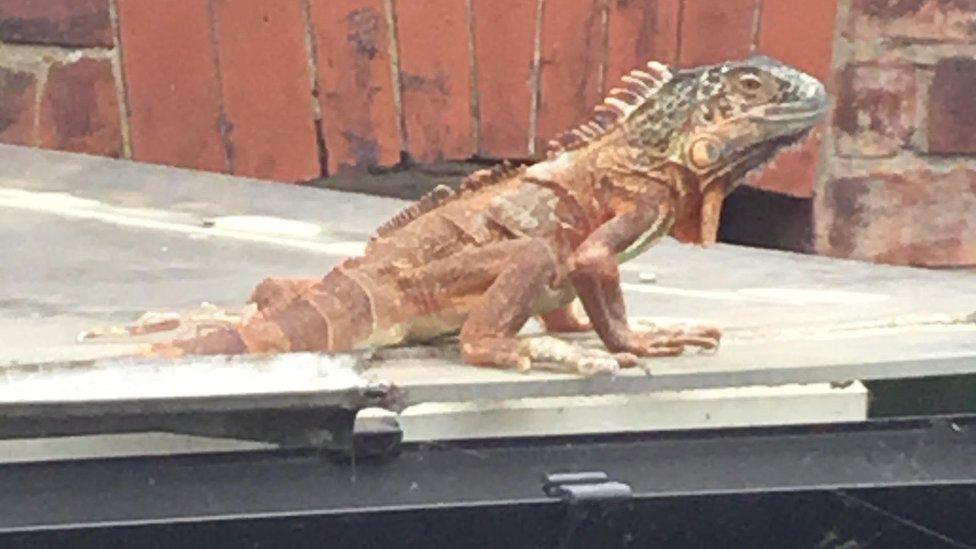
[658,158]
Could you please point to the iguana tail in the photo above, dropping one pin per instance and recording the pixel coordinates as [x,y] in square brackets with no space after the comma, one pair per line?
[329,314]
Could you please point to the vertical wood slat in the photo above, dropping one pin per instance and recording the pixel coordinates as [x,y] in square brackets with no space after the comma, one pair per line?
[804,40]
[355,81]
[435,78]
[504,46]
[713,31]
[172,90]
[571,65]
[638,32]
[270,131]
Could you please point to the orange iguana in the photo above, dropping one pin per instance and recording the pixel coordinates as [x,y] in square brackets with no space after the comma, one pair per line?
[657,158]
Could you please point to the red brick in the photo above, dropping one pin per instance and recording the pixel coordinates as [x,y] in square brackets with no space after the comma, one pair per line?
[803,39]
[571,66]
[918,217]
[875,111]
[435,78]
[264,69]
[952,112]
[713,31]
[58,22]
[915,20]
[80,108]
[173,93]
[18,92]
[355,83]
[504,44]
[639,31]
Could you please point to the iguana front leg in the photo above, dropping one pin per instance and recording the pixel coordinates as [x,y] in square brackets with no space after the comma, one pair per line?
[595,274]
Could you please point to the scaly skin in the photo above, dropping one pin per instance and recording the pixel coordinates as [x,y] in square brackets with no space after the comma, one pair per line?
[659,157]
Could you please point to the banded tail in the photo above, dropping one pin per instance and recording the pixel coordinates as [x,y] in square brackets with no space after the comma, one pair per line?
[294,315]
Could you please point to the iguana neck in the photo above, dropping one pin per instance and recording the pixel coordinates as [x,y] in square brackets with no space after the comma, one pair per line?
[593,175]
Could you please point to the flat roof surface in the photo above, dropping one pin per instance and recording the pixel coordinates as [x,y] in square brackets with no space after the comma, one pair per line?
[90,241]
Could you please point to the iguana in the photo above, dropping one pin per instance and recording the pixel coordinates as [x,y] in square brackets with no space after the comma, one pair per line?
[658,157]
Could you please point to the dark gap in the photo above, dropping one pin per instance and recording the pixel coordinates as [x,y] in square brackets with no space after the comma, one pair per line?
[764,219]
[323,150]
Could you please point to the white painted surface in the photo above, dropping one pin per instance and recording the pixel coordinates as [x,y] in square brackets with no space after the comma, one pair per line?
[697,409]
[281,232]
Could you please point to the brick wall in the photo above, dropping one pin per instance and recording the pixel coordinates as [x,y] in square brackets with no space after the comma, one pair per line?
[59,75]
[295,89]
[899,169]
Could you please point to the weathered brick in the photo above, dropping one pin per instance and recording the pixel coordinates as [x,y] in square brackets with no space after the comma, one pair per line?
[916,217]
[504,43]
[359,115]
[435,77]
[170,70]
[266,89]
[713,31]
[952,111]
[915,20]
[80,108]
[58,22]
[571,64]
[875,111]
[18,92]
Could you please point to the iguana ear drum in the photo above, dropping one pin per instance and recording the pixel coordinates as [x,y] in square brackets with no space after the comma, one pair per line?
[705,152]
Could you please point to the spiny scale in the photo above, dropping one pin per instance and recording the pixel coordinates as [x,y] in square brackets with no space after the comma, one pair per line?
[637,86]
[442,193]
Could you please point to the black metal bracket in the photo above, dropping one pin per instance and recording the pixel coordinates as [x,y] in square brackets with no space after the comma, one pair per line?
[584,493]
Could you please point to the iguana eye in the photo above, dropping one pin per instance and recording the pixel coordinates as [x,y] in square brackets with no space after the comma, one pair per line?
[750,82]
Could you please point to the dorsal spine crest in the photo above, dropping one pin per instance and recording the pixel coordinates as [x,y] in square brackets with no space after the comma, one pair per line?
[636,87]
[442,193]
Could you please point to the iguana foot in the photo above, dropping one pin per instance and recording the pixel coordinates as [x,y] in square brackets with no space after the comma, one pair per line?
[560,355]
[669,341]
[570,357]
[500,352]
[207,317]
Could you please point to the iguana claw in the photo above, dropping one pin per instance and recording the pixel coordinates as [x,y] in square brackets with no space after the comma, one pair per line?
[669,341]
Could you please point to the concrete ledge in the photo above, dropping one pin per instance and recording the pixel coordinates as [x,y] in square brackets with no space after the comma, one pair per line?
[664,411]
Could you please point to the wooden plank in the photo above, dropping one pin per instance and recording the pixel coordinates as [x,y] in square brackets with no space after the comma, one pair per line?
[172,90]
[638,32]
[504,45]
[571,65]
[713,31]
[804,40]
[355,78]
[435,78]
[266,89]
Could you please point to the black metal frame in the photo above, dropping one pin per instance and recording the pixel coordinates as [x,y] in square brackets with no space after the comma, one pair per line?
[692,487]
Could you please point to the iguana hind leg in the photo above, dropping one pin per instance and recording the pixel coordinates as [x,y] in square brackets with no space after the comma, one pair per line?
[488,336]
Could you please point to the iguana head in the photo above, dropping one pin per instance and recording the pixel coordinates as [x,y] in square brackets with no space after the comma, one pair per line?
[738,115]
[732,119]
[714,124]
